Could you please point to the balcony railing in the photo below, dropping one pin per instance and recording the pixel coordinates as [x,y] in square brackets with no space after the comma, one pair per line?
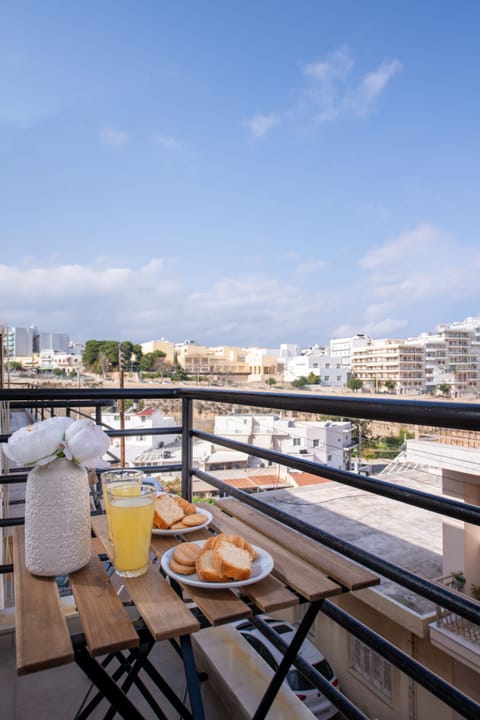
[459,416]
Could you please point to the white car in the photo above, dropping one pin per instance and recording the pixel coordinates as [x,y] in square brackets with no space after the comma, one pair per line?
[320,706]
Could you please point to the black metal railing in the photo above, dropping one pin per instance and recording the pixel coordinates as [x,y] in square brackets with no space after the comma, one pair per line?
[440,414]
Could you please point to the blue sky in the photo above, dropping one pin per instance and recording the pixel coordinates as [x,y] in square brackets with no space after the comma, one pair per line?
[244,173]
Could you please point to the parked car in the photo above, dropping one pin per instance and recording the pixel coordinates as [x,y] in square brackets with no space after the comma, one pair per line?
[320,706]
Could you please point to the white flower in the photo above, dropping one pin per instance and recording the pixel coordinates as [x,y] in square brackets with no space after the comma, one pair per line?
[79,440]
[85,441]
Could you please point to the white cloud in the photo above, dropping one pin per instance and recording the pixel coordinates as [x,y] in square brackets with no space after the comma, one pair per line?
[423,242]
[361,99]
[116,301]
[259,125]
[331,90]
[166,142]
[328,78]
[420,273]
[404,286]
[115,137]
[310,266]
[334,91]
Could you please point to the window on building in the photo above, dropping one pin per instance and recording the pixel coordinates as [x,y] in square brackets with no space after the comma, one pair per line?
[371,667]
[316,443]
[296,441]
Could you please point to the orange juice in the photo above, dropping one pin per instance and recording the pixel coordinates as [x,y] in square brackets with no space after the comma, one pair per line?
[131,517]
[124,476]
[126,490]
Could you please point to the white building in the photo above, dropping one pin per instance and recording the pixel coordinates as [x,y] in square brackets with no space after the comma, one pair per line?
[452,358]
[399,364]
[52,360]
[342,347]
[328,369]
[147,419]
[323,442]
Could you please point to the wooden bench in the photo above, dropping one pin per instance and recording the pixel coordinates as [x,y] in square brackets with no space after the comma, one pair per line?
[239,673]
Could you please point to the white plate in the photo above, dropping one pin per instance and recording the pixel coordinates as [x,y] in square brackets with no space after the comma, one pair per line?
[182,531]
[261,567]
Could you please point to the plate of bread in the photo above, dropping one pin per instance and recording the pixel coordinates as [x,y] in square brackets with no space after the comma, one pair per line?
[173,515]
[222,561]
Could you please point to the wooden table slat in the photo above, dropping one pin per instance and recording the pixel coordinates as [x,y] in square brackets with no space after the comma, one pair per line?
[268,594]
[295,572]
[218,606]
[163,611]
[42,636]
[105,622]
[340,569]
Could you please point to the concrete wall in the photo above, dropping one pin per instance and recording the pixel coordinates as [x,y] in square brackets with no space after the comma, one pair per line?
[409,701]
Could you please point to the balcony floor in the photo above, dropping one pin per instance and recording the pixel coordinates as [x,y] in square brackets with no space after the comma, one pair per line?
[58,693]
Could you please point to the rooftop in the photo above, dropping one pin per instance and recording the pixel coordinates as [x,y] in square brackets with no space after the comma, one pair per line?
[402,534]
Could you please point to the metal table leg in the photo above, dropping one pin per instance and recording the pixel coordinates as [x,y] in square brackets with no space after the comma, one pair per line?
[272,690]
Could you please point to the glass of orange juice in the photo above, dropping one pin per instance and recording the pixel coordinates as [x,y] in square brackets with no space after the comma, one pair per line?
[126,476]
[131,519]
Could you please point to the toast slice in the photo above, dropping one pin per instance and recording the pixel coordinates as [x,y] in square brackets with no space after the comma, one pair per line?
[233,561]
[237,540]
[166,512]
[206,570]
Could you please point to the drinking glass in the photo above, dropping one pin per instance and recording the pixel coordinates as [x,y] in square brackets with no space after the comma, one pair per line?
[123,475]
[131,518]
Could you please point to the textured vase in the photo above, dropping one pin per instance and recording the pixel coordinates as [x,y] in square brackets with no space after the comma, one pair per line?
[57,518]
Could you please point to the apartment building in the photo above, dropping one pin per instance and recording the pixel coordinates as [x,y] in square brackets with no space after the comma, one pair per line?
[452,358]
[396,363]
[52,360]
[19,342]
[242,364]
[322,442]
[342,347]
[148,419]
[58,342]
[330,370]
[163,345]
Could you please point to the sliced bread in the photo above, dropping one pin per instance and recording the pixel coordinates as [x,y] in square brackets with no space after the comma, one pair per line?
[232,561]
[206,570]
[167,511]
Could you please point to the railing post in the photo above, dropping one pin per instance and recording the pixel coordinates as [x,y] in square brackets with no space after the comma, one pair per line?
[187,414]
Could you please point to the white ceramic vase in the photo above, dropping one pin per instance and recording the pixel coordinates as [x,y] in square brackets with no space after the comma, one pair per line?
[57,518]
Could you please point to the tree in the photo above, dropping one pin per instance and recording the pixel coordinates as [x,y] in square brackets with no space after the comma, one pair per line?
[313,379]
[14,366]
[355,383]
[300,381]
[390,385]
[271,381]
[153,361]
[90,353]
[444,389]
[101,355]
